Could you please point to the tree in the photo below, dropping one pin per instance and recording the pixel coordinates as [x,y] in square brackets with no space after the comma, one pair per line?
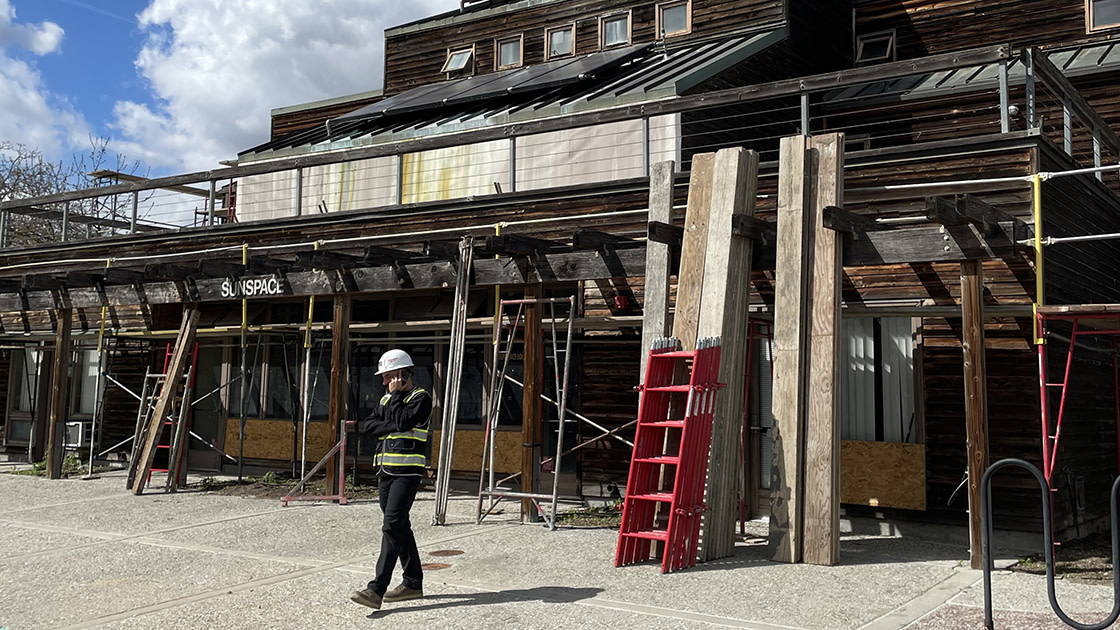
[25,173]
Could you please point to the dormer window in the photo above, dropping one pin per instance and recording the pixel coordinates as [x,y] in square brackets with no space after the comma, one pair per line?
[674,18]
[507,53]
[874,48]
[457,60]
[1102,14]
[560,41]
[614,30]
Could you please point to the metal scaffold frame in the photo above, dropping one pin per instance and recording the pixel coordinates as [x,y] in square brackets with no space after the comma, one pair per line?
[488,483]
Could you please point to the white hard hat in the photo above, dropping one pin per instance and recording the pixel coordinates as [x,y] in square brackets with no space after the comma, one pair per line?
[393,360]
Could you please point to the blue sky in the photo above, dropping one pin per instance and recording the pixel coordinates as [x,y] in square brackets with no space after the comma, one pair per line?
[181,84]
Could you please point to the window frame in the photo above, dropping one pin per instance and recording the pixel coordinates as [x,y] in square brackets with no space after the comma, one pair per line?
[468,66]
[863,40]
[1089,27]
[548,56]
[520,39]
[661,8]
[603,19]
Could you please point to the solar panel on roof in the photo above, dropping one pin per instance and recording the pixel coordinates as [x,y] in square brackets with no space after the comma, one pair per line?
[518,80]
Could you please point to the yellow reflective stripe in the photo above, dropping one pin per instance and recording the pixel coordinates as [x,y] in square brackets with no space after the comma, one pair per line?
[401,460]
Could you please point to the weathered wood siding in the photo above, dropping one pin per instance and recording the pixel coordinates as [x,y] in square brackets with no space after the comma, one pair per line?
[128,364]
[608,373]
[924,27]
[290,122]
[414,55]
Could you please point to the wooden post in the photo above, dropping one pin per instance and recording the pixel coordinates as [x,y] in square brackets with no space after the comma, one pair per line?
[531,408]
[171,382]
[976,396]
[60,394]
[690,277]
[655,306]
[822,440]
[726,297]
[340,385]
[790,346]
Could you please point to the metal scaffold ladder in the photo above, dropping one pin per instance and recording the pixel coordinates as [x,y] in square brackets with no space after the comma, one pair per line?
[491,490]
[670,448]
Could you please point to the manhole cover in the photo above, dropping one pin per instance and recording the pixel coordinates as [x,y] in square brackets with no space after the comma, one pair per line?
[434,566]
[443,553]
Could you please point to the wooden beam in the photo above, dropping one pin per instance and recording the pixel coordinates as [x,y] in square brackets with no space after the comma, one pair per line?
[665,232]
[822,440]
[836,218]
[980,213]
[754,228]
[943,243]
[976,396]
[169,272]
[41,282]
[117,275]
[148,438]
[594,240]
[690,277]
[324,259]
[791,293]
[655,307]
[443,250]
[943,211]
[60,393]
[221,269]
[268,264]
[11,285]
[531,408]
[378,255]
[339,397]
[519,244]
[725,298]
[84,279]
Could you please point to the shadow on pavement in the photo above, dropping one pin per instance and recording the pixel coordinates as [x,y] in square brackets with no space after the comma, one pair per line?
[551,594]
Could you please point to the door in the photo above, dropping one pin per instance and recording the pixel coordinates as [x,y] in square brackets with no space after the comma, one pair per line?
[207,415]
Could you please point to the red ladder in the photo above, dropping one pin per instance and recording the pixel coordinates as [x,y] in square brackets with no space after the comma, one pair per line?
[655,456]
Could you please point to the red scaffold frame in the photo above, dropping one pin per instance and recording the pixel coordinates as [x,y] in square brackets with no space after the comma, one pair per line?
[1050,440]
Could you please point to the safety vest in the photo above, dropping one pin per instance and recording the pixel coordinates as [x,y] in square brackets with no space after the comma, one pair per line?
[403,452]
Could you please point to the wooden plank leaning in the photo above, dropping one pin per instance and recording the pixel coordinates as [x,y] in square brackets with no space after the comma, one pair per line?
[154,427]
[725,299]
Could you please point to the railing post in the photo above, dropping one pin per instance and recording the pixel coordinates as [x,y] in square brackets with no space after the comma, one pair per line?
[135,211]
[213,200]
[299,191]
[1004,99]
[1028,61]
[805,114]
[400,178]
[645,145]
[65,221]
[513,163]
[1097,152]
[4,217]
[1067,124]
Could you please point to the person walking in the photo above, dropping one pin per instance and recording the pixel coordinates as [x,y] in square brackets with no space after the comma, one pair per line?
[400,423]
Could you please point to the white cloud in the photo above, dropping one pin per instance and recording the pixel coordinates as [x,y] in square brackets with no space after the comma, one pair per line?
[216,68]
[32,114]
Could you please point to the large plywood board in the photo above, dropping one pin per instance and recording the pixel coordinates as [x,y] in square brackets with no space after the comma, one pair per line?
[883,474]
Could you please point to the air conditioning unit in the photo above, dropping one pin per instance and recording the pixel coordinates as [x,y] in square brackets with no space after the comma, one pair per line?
[77,434]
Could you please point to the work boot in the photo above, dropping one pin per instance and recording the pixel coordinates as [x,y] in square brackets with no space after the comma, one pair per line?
[403,593]
[366,597]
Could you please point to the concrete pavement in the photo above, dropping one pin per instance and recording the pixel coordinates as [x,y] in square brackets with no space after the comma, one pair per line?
[88,554]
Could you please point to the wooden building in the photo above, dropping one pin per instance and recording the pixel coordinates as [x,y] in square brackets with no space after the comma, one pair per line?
[533,129]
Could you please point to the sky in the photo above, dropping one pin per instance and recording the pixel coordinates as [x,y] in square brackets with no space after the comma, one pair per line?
[180,84]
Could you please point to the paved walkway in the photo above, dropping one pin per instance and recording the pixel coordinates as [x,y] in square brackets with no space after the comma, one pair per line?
[87,554]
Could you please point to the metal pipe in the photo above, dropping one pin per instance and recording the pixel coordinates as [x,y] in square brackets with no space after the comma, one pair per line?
[400,178]
[1067,125]
[65,221]
[513,164]
[299,191]
[135,211]
[245,383]
[1004,99]
[1097,152]
[805,114]
[1039,286]
[1028,59]
[213,200]
[645,146]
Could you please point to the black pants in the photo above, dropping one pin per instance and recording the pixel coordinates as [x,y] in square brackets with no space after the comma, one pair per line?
[396,495]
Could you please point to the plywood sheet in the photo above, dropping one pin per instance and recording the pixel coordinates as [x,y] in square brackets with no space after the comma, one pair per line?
[272,439]
[467,454]
[883,474]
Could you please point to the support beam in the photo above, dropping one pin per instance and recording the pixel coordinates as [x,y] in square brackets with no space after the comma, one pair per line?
[976,396]
[725,298]
[60,393]
[531,407]
[822,440]
[339,397]
[597,241]
[655,307]
[791,294]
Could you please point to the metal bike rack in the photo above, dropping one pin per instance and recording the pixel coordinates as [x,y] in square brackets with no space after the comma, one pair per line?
[1048,547]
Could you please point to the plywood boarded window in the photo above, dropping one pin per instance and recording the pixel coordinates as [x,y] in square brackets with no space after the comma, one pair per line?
[507,53]
[458,60]
[1102,14]
[674,18]
[875,48]
[614,30]
[559,41]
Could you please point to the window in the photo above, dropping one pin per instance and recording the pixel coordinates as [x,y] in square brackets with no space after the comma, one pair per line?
[875,47]
[559,42]
[457,60]
[85,382]
[614,30]
[674,18]
[508,53]
[1102,14]
[274,375]
[877,379]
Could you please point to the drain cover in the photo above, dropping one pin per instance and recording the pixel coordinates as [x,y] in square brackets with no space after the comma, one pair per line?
[443,553]
[434,566]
